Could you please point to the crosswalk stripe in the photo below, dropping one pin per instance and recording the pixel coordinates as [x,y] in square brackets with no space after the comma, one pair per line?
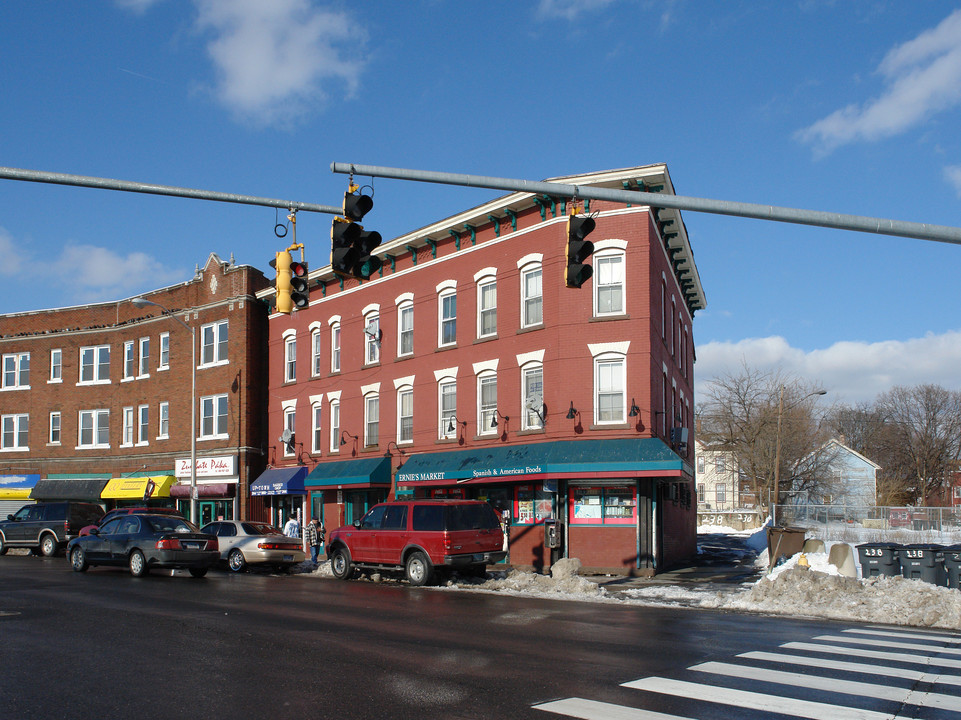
[827,664]
[873,654]
[755,701]
[884,643]
[821,683]
[594,710]
[907,635]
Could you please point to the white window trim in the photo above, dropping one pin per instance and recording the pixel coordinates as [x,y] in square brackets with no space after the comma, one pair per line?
[161,435]
[290,411]
[129,358]
[316,424]
[371,342]
[316,348]
[290,364]
[525,367]
[216,343]
[404,387]
[97,349]
[526,265]
[607,249]
[127,427]
[59,378]
[95,416]
[50,440]
[18,418]
[143,427]
[403,302]
[161,365]
[610,357]
[445,289]
[368,396]
[336,341]
[482,278]
[200,423]
[484,426]
[143,368]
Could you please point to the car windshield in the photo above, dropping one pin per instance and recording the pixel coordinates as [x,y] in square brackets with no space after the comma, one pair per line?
[253,528]
[170,525]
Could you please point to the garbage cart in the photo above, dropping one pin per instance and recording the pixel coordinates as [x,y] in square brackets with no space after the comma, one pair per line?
[923,562]
[879,558]
[952,565]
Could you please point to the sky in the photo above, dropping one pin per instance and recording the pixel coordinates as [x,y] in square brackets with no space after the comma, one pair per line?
[848,107]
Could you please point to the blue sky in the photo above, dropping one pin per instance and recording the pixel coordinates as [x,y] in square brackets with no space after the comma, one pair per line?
[852,107]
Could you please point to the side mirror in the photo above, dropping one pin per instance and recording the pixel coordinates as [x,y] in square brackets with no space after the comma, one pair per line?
[356,524]
[94,531]
[10,518]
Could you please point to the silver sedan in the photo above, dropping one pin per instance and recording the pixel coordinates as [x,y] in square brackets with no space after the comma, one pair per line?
[245,542]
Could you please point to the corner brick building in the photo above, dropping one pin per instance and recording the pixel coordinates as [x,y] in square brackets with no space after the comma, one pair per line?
[96,399]
[466,368]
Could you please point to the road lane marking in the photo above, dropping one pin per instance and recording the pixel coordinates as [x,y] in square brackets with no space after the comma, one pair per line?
[594,710]
[936,636]
[828,664]
[826,684]
[754,700]
[873,654]
[887,644]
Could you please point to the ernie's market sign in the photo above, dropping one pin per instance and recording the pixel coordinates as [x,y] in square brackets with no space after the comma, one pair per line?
[485,473]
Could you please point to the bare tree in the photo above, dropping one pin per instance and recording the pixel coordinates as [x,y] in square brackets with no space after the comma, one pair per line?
[769,421]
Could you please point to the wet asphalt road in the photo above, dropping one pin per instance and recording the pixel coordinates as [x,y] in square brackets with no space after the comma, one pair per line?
[104,644]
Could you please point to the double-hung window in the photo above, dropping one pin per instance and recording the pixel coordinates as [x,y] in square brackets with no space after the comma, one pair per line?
[129,361]
[290,424]
[405,324]
[163,431]
[127,427]
[405,414]
[143,424]
[16,371]
[532,299]
[56,365]
[213,343]
[316,428]
[610,381]
[334,425]
[447,313]
[371,337]
[447,403]
[487,403]
[335,345]
[486,302]
[164,361]
[315,350]
[54,438]
[94,429]
[609,265]
[144,357]
[371,419]
[532,379]
[94,365]
[213,416]
[290,356]
[14,432]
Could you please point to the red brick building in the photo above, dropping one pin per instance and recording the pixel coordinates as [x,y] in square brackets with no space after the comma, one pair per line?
[96,399]
[466,368]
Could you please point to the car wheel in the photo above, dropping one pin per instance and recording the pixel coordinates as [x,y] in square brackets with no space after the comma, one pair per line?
[138,564]
[418,569]
[235,561]
[48,545]
[198,572]
[340,565]
[78,560]
[3,545]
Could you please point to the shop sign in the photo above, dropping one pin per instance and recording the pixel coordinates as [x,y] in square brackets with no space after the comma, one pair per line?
[217,466]
[487,472]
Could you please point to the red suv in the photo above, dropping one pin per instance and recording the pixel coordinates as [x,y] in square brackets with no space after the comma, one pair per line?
[418,536]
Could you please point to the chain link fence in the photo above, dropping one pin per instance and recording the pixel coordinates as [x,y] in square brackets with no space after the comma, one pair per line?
[860,523]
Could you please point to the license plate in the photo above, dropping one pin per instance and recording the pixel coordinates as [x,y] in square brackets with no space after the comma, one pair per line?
[288,558]
[191,545]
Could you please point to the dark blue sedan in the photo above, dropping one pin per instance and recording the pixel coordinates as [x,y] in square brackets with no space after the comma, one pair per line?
[142,542]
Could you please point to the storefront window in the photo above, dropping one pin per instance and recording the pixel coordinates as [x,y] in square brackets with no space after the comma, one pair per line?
[603,506]
[532,505]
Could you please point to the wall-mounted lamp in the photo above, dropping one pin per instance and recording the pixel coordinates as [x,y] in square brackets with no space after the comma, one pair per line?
[573,412]
[344,432]
[635,410]
[494,418]
[389,453]
[453,419]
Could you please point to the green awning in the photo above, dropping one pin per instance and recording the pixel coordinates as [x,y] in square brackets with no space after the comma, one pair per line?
[368,472]
[620,456]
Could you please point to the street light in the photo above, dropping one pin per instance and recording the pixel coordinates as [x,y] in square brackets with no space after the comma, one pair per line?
[777,443]
[142,303]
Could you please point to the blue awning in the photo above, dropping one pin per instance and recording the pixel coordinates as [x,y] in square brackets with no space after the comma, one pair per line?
[369,472]
[280,481]
[570,458]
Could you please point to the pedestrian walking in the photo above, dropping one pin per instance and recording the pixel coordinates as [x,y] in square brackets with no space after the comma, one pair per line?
[292,528]
[312,536]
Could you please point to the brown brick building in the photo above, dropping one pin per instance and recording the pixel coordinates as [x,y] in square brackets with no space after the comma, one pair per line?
[102,392]
[466,368]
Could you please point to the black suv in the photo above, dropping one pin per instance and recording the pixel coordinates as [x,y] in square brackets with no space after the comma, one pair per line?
[46,527]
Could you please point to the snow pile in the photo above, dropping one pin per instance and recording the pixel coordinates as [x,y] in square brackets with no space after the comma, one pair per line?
[568,585]
[809,592]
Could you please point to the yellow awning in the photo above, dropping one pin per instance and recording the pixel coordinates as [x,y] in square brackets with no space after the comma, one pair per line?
[136,488]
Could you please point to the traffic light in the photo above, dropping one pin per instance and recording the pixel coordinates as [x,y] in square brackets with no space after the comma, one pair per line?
[578,250]
[299,294]
[282,264]
[352,247]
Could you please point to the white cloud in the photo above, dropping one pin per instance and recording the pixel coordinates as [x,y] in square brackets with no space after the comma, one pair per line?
[952,174]
[923,77]
[96,274]
[14,259]
[275,61]
[850,371]
[568,9]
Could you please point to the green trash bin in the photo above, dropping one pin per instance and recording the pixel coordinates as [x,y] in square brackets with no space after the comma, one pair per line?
[952,566]
[879,559]
[923,561]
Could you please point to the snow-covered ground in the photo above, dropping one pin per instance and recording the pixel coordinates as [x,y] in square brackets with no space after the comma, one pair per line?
[814,590]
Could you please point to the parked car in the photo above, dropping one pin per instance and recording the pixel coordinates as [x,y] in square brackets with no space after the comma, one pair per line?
[420,537]
[131,511]
[143,542]
[46,527]
[244,542]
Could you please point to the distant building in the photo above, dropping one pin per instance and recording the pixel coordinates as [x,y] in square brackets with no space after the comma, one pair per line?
[717,478]
[466,369]
[850,481]
[95,400]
